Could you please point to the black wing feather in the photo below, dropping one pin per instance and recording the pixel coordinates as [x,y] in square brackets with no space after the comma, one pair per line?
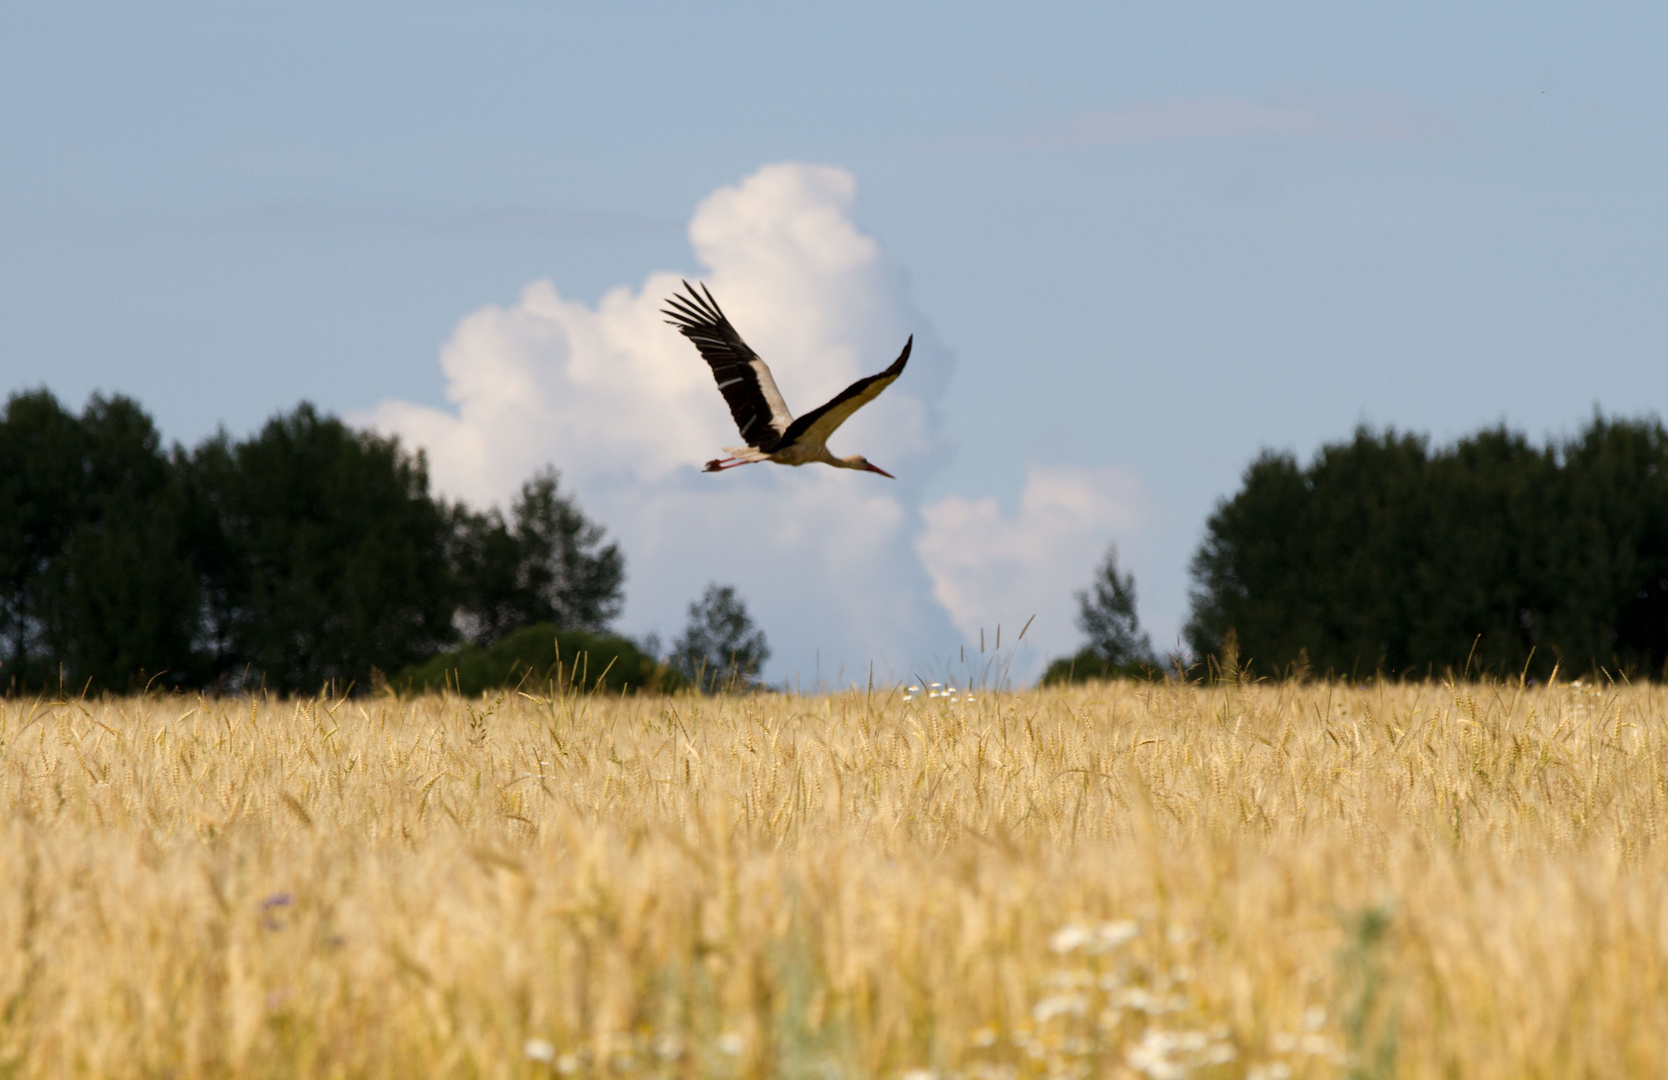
[743,378]
[847,401]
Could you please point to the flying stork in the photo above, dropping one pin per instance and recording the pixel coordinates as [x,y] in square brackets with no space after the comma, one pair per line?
[771,431]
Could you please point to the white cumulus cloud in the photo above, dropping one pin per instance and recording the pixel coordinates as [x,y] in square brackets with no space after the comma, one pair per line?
[841,569]
[624,407]
[989,568]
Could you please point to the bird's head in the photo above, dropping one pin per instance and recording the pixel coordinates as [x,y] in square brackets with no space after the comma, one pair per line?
[858,461]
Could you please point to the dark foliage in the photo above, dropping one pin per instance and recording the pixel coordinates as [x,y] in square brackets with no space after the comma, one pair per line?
[549,566]
[1491,556]
[1117,646]
[720,648]
[539,658]
[94,590]
[308,555]
[328,557]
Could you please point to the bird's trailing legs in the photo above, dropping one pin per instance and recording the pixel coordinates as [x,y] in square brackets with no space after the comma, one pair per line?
[720,464]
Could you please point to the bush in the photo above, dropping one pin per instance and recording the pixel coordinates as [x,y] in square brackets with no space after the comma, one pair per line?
[1090,663]
[537,657]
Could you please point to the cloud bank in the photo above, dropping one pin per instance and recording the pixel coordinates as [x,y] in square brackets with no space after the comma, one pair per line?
[841,569]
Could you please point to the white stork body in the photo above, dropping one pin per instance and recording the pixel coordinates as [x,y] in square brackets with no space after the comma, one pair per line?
[762,417]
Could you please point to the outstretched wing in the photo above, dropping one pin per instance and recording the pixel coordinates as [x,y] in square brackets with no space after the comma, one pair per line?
[743,378]
[818,424]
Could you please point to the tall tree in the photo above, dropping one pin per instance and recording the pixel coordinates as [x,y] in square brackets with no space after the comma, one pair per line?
[1491,555]
[122,598]
[720,648]
[1106,615]
[322,554]
[549,564]
[42,480]
[1116,646]
[95,587]
[1611,555]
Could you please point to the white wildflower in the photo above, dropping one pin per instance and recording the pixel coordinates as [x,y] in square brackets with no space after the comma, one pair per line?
[539,1050]
[1059,1005]
[1140,999]
[1152,1056]
[1109,935]
[1318,1045]
[732,1043]
[1274,1070]
[567,1064]
[1314,1017]
[1069,938]
[920,1074]
[1217,1054]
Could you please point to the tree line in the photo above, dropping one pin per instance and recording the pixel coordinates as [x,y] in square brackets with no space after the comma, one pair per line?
[1384,556]
[307,555]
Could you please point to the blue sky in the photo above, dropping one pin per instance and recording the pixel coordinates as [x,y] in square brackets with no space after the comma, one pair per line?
[1140,243]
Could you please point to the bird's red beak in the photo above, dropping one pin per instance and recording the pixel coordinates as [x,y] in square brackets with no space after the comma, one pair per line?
[881,471]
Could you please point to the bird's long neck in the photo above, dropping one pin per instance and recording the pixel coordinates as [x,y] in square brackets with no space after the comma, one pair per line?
[855,461]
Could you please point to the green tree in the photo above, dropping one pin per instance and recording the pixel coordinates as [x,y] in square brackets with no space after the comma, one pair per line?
[1610,558]
[1314,559]
[322,554]
[1117,646]
[122,598]
[720,647]
[1491,555]
[548,565]
[1481,587]
[1106,615]
[42,451]
[95,587]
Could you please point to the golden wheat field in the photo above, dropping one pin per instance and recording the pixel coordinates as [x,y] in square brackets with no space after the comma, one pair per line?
[1122,880]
